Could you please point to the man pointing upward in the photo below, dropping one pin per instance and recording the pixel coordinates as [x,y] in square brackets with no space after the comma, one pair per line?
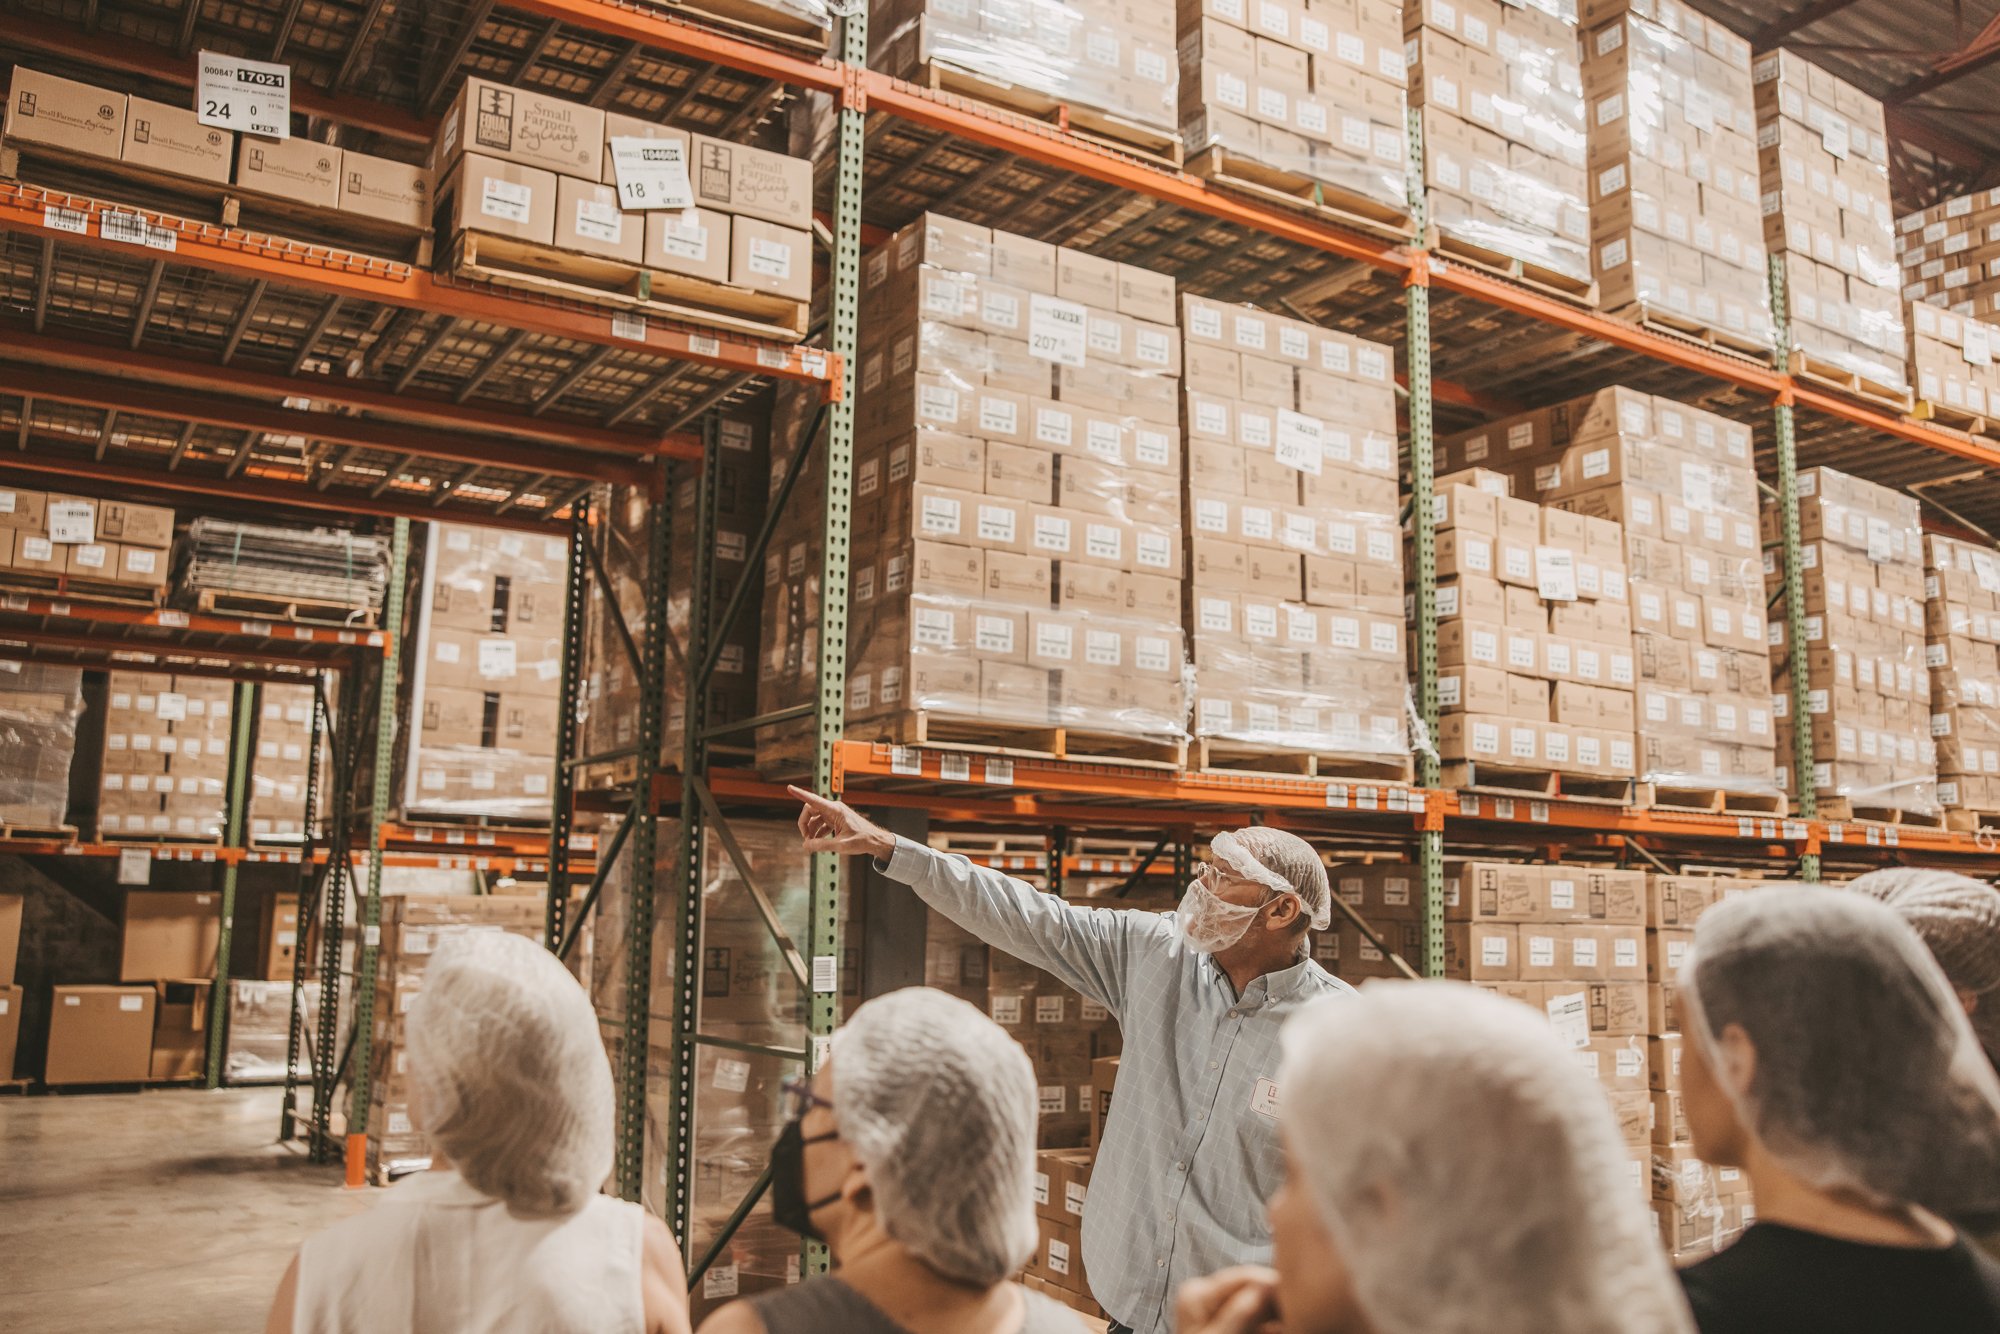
[1190,1153]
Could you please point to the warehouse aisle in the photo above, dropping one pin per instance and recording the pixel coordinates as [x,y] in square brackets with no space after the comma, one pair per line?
[156,1212]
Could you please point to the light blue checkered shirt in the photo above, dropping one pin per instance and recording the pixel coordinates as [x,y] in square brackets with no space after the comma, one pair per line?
[1191,1152]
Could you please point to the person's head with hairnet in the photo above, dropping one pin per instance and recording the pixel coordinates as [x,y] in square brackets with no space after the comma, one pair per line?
[1255,897]
[1959,919]
[1826,1048]
[1450,1170]
[918,1130]
[508,1072]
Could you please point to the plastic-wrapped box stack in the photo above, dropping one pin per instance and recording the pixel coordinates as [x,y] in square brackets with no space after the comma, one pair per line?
[39,707]
[260,1018]
[1535,661]
[48,534]
[282,764]
[166,756]
[488,674]
[1700,1207]
[1951,254]
[413,925]
[1679,481]
[1824,156]
[1868,689]
[1501,94]
[1676,214]
[1295,570]
[1017,559]
[1962,650]
[1108,63]
[788,637]
[1952,365]
[1296,94]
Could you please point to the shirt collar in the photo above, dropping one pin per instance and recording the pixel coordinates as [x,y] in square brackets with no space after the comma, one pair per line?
[1266,988]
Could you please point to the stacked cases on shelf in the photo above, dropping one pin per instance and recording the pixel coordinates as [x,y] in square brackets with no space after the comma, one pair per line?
[788,635]
[1676,217]
[1017,554]
[88,542]
[1951,254]
[1952,366]
[283,763]
[488,674]
[413,926]
[1297,94]
[1962,650]
[1679,481]
[260,1022]
[1535,664]
[12,909]
[166,756]
[1501,95]
[39,709]
[324,573]
[1824,159]
[154,1025]
[1867,687]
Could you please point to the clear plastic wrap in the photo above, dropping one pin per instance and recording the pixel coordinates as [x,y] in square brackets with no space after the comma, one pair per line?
[1676,210]
[39,708]
[1868,687]
[1502,99]
[282,764]
[1295,563]
[1962,650]
[1948,252]
[1679,481]
[260,1017]
[166,756]
[1824,157]
[487,674]
[1952,362]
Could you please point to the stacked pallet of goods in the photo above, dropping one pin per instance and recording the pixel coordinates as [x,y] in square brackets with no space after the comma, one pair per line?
[1962,651]
[1952,368]
[282,764]
[39,709]
[49,540]
[332,574]
[1951,254]
[165,766]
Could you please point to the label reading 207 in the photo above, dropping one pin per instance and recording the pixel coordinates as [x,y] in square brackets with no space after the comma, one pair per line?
[1058,330]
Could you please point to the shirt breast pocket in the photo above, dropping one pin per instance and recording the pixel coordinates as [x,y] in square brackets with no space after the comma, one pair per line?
[1263,1155]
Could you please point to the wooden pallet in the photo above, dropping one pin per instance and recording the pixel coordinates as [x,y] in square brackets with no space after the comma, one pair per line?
[1943,414]
[1217,164]
[988,736]
[1820,371]
[1553,282]
[317,611]
[180,840]
[1707,800]
[1682,326]
[1508,780]
[1845,810]
[1964,821]
[1099,126]
[1222,755]
[614,284]
[48,833]
[69,585]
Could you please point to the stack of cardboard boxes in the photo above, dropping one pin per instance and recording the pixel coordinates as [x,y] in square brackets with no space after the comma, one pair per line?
[283,763]
[1501,94]
[1108,63]
[166,756]
[154,1023]
[1018,555]
[525,165]
[1297,93]
[11,911]
[1679,481]
[1295,570]
[1952,362]
[1062,1186]
[1868,689]
[1676,217]
[1700,1207]
[39,707]
[1534,634]
[1962,650]
[488,674]
[260,1023]
[788,635]
[1824,157]
[1951,254]
[89,541]
[413,926]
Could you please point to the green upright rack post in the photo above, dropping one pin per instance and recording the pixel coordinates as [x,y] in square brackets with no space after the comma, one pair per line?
[562,782]
[333,924]
[1417,298]
[247,694]
[1805,772]
[312,883]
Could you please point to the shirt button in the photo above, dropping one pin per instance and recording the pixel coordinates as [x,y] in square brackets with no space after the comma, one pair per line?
[1201,1116]
[1161,1264]
[1211,1065]
[1180,1167]
[1170,1217]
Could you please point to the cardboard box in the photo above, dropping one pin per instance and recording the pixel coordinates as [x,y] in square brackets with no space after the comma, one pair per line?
[589,220]
[301,170]
[752,182]
[694,244]
[25,511]
[617,125]
[765,257]
[384,189]
[100,1035]
[279,935]
[62,113]
[10,1028]
[169,934]
[136,525]
[11,908]
[523,126]
[505,198]
[180,1029]
[167,138]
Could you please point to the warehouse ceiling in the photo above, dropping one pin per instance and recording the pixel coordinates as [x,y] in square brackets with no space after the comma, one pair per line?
[1934,63]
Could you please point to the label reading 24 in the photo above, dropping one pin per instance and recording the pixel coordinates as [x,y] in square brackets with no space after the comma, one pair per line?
[253,96]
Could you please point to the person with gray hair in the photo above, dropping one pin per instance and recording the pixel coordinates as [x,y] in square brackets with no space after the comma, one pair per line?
[1959,920]
[1827,1057]
[911,1154]
[1190,1151]
[507,1232]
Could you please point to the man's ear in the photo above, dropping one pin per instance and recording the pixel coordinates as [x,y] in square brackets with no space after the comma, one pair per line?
[1285,911]
[854,1187]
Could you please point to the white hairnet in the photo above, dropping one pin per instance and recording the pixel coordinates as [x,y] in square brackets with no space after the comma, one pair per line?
[938,1103]
[1866,1075]
[1959,919]
[510,1073]
[1475,1182]
[1281,862]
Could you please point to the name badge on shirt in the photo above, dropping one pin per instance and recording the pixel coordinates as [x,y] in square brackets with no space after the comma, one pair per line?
[1264,1099]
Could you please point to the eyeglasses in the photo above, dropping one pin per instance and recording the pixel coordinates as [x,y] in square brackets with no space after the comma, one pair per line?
[799,1097]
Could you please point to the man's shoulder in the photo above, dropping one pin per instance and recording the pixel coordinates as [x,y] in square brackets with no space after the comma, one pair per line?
[1319,982]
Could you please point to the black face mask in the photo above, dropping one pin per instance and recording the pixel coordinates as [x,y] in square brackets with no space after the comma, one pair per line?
[790,1209]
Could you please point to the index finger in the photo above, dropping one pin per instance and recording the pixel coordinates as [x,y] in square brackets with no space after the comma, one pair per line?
[814,799]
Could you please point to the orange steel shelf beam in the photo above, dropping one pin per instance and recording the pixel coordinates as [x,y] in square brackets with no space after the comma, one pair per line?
[209,854]
[519,842]
[74,219]
[249,659]
[166,618]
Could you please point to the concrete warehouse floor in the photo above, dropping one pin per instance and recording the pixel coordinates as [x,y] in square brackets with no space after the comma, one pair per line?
[161,1212]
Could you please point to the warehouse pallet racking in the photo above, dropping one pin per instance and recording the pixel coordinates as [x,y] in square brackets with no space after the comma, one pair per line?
[547,399]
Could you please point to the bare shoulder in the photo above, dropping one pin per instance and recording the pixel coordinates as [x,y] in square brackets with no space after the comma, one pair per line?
[662,1254]
[662,1281]
[735,1318]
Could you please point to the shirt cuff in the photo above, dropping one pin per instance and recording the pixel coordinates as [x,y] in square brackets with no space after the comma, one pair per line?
[906,863]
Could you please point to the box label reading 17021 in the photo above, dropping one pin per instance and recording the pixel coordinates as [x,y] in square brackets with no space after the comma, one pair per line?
[253,96]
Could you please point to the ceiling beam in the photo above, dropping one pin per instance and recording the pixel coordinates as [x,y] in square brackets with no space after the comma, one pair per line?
[1975,55]
[1779,29]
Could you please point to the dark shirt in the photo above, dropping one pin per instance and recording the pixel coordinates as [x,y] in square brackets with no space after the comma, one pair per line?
[1778,1279]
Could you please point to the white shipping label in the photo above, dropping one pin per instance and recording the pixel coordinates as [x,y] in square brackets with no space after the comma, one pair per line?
[1555,574]
[651,173]
[1301,443]
[496,658]
[510,201]
[71,522]
[771,259]
[732,1076]
[135,866]
[133,1003]
[1058,330]
[599,221]
[171,706]
[253,96]
[1569,1016]
[719,1281]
